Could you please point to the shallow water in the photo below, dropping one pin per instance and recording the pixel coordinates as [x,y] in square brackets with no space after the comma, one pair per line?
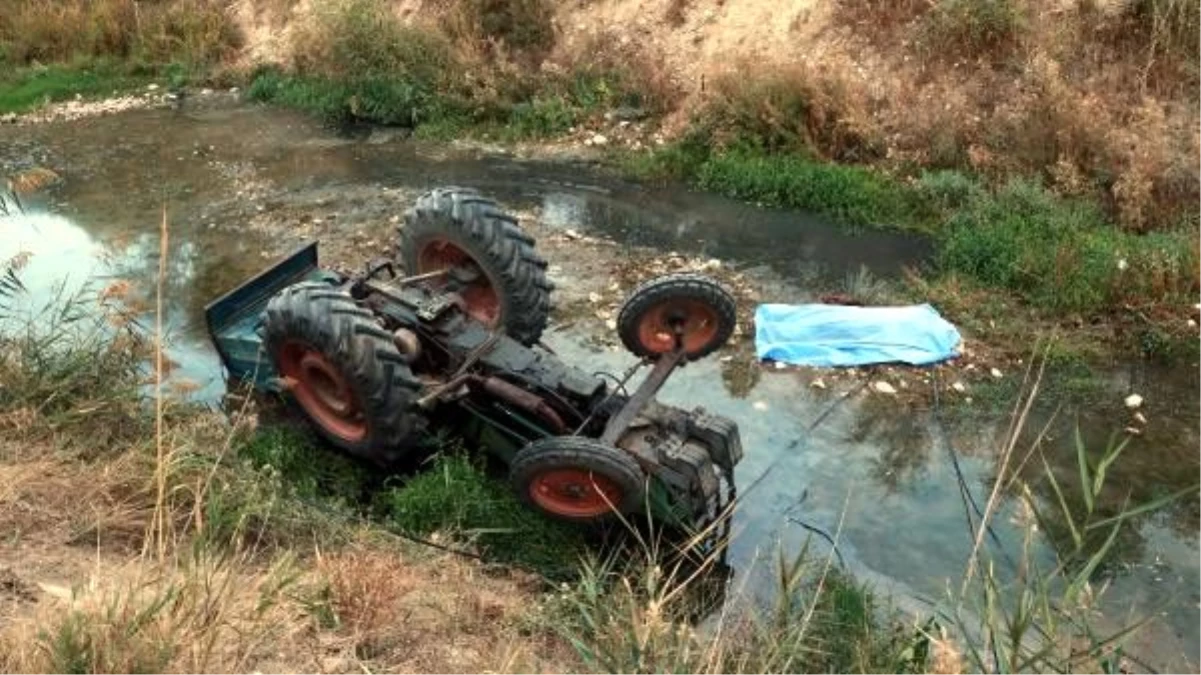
[881,469]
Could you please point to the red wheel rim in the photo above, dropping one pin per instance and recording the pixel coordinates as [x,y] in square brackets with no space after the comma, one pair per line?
[697,322]
[480,298]
[575,493]
[322,391]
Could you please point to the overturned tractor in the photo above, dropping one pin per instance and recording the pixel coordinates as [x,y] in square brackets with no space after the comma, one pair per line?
[377,360]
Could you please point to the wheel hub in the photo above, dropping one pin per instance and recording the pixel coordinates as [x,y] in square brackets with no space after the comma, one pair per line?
[575,492]
[321,390]
[480,297]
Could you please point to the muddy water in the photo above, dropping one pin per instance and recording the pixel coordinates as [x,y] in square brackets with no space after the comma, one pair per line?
[244,184]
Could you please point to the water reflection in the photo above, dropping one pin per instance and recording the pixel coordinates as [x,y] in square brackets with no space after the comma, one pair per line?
[67,264]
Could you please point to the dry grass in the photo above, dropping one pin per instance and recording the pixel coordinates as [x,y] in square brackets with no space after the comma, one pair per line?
[192,31]
[810,108]
[1096,102]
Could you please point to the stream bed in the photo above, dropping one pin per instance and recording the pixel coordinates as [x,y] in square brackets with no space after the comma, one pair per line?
[243,184]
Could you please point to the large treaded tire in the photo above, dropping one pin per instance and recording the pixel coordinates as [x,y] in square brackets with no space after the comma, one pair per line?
[495,242]
[346,337]
[593,462]
[709,310]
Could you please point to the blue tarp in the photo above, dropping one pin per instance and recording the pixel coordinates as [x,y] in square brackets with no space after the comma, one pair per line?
[839,335]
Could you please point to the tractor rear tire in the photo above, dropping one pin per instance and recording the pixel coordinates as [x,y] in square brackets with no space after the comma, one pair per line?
[343,372]
[704,312]
[577,479]
[448,226]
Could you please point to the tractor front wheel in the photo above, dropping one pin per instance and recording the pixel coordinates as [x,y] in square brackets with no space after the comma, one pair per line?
[343,371]
[689,308]
[577,479]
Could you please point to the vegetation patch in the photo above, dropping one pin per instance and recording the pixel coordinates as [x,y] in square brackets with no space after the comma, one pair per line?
[1062,254]
[24,89]
[456,496]
[199,32]
[973,28]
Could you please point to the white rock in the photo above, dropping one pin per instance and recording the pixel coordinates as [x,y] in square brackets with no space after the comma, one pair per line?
[571,234]
[1133,401]
[152,87]
[233,90]
[818,384]
[1140,418]
[759,405]
[594,298]
[959,387]
[995,373]
[1192,324]
[598,139]
[780,365]
[884,387]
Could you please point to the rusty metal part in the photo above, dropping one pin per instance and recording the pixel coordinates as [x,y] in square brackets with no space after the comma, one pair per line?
[438,391]
[601,406]
[526,400]
[461,375]
[663,369]
[408,343]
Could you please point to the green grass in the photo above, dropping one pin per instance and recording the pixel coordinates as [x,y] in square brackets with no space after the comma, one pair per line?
[1063,255]
[850,195]
[379,99]
[455,495]
[25,89]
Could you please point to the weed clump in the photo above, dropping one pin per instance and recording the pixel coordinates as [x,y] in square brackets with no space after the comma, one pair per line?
[200,32]
[456,496]
[1062,255]
[973,28]
[355,60]
[502,28]
[791,109]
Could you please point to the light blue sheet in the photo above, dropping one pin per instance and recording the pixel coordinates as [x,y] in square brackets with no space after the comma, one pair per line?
[838,335]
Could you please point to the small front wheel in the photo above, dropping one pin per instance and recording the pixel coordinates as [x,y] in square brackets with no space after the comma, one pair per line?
[577,479]
[689,307]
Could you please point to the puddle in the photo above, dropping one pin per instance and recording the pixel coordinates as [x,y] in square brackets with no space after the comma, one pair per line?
[242,184]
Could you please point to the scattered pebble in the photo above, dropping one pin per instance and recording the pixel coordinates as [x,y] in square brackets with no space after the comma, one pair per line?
[594,298]
[884,387]
[759,405]
[152,87]
[1134,431]
[1140,418]
[1133,401]
[780,365]
[571,234]
[598,139]
[1192,324]
[818,384]
[995,373]
[959,387]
